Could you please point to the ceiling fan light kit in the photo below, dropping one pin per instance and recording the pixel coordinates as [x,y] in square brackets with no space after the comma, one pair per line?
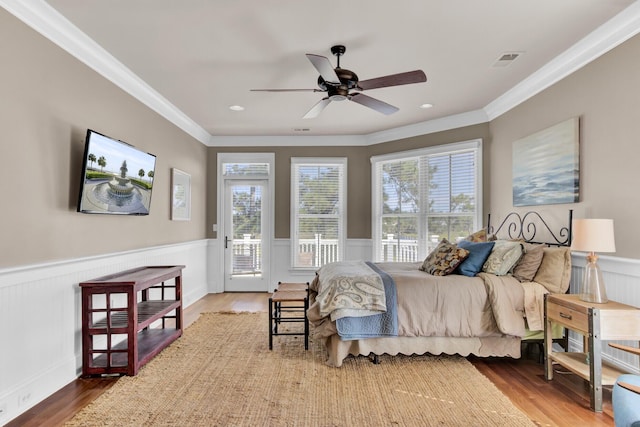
[339,83]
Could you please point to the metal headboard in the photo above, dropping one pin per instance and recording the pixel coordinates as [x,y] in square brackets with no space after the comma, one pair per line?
[525,227]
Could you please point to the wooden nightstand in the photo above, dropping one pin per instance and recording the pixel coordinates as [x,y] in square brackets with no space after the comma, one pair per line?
[597,323]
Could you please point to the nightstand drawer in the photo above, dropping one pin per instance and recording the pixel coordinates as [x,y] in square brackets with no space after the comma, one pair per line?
[569,317]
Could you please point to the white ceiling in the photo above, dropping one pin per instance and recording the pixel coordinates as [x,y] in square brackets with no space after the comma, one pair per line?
[196,58]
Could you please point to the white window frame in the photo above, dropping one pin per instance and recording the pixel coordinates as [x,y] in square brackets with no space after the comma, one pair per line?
[376,203]
[342,205]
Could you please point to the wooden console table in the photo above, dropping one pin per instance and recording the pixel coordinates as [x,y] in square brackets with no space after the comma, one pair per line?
[129,317]
[596,323]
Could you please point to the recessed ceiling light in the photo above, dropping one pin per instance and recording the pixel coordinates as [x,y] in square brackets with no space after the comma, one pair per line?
[425,106]
[236,108]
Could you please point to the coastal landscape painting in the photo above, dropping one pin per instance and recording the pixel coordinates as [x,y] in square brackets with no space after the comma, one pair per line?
[546,166]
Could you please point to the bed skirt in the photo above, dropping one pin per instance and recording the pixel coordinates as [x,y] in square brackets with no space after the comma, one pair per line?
[338,350]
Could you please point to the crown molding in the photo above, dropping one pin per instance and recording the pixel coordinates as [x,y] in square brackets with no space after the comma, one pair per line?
[423,128]
[612,33]
[286,140]
[40,16]
[50,23]
[402,132]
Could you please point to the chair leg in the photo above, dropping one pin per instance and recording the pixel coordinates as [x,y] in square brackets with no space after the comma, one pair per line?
[276,315]
[306,324]
[270,324]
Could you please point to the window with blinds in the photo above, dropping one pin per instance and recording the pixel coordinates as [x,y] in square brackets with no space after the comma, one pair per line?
[318,211]
[245,169]
[423,196]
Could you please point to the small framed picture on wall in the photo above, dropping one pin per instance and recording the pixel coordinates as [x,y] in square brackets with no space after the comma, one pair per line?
[180,195]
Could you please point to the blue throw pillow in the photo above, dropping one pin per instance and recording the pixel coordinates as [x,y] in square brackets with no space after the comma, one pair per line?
[478,254]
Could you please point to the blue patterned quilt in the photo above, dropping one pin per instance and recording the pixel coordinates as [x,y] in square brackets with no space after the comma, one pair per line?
[377,325]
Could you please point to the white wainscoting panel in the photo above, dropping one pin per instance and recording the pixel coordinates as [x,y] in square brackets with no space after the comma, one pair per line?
[622,279]
[215,272]
[40,317]
[40,308]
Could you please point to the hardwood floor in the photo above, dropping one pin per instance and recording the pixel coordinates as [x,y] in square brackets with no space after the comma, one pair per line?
[561,402]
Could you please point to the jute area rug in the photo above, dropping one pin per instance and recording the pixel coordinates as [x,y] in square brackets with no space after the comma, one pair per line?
[221,373]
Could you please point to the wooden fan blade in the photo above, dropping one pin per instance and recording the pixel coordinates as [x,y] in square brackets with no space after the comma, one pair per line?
[317,109]
[374,104]
[285,90]
[410,77]
[324,67]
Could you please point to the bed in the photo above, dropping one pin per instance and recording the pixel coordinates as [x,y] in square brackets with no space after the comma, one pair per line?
[438,305]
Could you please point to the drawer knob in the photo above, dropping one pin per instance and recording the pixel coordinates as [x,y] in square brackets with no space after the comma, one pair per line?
[565,316]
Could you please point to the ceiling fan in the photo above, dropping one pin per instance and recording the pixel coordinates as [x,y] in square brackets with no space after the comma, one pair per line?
[341,84]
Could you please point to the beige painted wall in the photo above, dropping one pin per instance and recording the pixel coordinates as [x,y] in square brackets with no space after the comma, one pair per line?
[47,101]
[358,171]
[358,186]
[606,96]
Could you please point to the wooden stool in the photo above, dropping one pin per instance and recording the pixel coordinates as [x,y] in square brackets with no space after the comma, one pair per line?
[276,310]
[284,287]
[293,287]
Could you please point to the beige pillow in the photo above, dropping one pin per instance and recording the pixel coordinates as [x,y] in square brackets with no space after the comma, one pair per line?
[526,269]
[503,257]
[555,270]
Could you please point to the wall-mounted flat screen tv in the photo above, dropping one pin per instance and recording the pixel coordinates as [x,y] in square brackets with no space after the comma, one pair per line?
[116,177]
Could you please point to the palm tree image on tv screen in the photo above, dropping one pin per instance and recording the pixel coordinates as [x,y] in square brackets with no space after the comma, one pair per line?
[117,178]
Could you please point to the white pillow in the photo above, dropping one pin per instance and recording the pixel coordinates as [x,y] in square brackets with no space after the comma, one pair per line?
[503,257]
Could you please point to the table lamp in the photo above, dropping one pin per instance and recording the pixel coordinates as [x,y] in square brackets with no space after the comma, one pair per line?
[593,235]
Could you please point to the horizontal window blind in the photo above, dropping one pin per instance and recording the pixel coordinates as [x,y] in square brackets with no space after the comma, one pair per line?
[245,169]
[318,212]
[424,197]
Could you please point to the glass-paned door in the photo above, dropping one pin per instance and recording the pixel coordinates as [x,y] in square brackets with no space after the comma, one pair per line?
[245,236]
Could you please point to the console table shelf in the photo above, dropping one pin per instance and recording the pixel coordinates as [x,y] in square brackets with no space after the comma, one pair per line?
[129,317]
[147,311]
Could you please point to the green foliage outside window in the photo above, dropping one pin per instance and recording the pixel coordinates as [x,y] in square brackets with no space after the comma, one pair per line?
[440,200]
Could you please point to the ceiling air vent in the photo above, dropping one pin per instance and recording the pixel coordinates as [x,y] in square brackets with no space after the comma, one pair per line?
[506,59]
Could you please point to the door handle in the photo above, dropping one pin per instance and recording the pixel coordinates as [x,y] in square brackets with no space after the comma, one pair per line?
[226,241]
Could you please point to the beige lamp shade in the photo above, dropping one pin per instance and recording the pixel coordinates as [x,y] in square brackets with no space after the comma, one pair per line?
[593,235]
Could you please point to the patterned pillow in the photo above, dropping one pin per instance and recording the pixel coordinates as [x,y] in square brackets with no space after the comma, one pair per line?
[504,256]
[444,259]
